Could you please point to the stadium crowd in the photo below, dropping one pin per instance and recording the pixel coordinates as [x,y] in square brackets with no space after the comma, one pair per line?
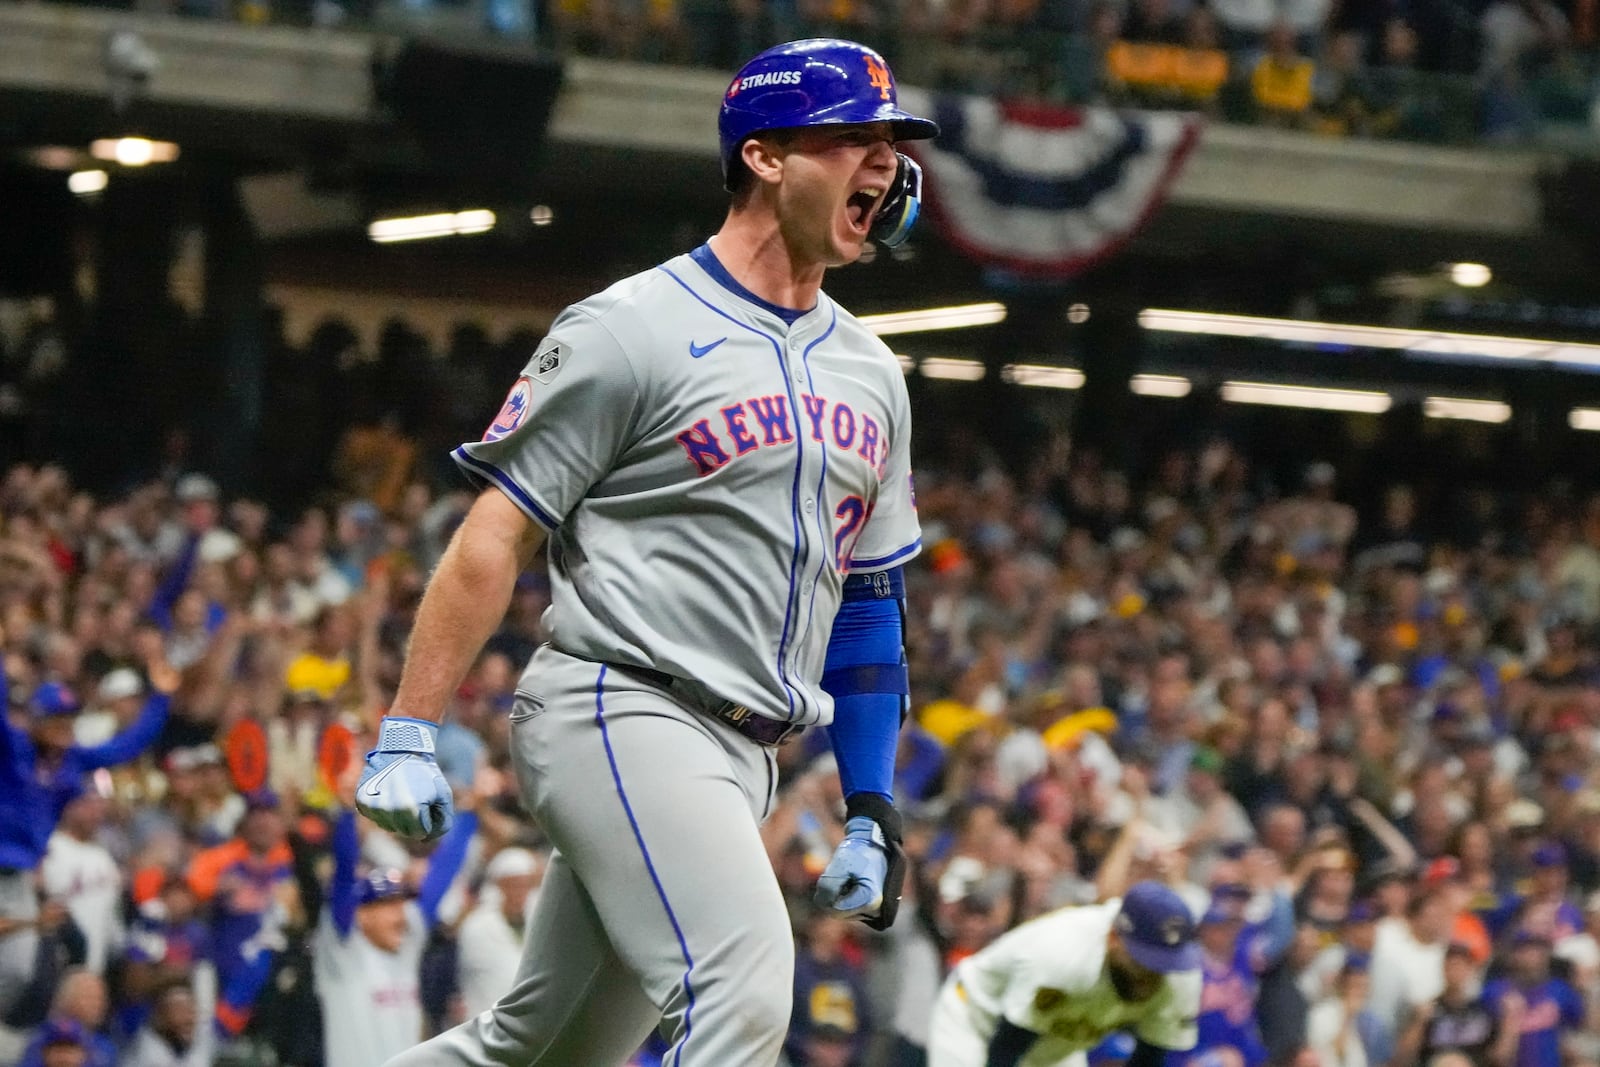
[1360,745]
[1430,70]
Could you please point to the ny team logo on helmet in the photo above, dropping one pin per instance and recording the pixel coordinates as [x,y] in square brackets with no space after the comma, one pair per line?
[878,77]
[825,82]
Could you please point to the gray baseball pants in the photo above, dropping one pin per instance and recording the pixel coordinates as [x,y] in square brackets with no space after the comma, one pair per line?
[659,906]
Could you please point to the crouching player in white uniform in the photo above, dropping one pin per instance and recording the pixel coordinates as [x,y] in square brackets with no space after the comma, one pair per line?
[368,950]
[1046,992]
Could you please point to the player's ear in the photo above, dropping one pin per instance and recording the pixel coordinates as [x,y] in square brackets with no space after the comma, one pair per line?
[763,156]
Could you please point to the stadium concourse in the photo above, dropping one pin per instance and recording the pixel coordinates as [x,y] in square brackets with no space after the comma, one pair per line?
[1375,732]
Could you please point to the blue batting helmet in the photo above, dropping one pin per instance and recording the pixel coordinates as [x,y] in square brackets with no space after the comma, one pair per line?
[824,82]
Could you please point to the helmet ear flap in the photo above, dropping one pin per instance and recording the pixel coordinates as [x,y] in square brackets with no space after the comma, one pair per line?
[902,203]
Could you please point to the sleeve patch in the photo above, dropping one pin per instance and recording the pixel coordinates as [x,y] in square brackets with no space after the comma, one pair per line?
[549,359]
[512,412]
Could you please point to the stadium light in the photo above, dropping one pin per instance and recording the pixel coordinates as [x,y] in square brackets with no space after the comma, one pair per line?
[1584,419]
[133,151]
[87,182]
[1420,342]
[945,318]
[1042,376]
[422,227]
[1450,407]
[1307,396]
[542,215]
[1470,275]
[956,370]
[1170,385]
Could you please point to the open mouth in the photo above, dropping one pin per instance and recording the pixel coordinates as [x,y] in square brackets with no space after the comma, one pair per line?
[860,206]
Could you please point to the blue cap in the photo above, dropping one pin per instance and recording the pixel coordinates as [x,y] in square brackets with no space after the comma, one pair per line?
[1362,911]
[263,799]
[1157,929]
[54,698]
[1550,854]
[1223,910]
[63,1032]
[379,885]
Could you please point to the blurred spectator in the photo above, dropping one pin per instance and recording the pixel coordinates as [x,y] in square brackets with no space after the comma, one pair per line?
[1457,1021]
[831,1013]
[1408,960]
[369,942]
[77,1015]
[41,770]
[1536,1010]
[248,885]
[80,873]
[490,939]
[63,1043]
[1333,1029]
[1229,1029]
[1280,87]
[1339,87]
[180,1032]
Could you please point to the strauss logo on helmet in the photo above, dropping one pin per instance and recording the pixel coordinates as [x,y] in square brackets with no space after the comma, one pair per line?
[771,77]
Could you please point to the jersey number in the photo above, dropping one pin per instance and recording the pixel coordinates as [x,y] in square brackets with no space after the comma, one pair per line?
[852,513]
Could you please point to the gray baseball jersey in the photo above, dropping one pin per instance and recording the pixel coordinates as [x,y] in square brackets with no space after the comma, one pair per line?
[709,473]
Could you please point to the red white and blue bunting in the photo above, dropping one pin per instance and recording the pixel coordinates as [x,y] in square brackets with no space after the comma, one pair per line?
[1045,191]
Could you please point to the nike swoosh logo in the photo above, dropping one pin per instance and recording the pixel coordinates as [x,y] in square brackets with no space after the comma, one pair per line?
[696,351]
[372,789]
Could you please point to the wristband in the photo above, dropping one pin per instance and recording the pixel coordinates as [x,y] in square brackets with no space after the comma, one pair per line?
[397,733]
[877,807]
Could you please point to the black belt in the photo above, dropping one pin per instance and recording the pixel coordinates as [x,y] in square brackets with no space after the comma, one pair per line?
[758,728]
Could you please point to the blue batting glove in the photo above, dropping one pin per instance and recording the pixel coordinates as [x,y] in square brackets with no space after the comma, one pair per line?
[402,788]
[852,883]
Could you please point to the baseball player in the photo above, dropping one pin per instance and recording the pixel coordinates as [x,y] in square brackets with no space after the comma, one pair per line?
[719,458]
[1053,988]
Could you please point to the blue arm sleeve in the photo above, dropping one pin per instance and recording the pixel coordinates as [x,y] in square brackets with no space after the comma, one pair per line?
[173,584]
[445,864]
[346,846]
[865,673]
[1009,1044]
[130,742]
